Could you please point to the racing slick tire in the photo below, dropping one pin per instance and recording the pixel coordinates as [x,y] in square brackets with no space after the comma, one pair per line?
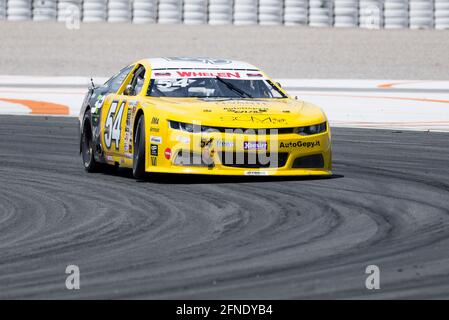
[87,147]
[139,150]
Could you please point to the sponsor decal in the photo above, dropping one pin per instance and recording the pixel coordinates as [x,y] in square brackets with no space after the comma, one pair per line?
[225,144]
[155,139]
[254,119]
[256,173]
[128,155]
[206,142]
[133,108]
[185,74]
[154,161]
[182,139]
[127,139]
[300,144]
[155,120]
[162,74]
[208,74]
[153,129]
[154,148]
[98,104]
[255,145]
[126,142]
[128,120]
[254,75]
[167,153]
[244,103]
[109,158]
[246,109]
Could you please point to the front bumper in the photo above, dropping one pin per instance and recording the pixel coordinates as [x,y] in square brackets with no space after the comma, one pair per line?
[218,153]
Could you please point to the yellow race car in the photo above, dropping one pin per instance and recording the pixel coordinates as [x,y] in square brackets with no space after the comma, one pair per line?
[201,116]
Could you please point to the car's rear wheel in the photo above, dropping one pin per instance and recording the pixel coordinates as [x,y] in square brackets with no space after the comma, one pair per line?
[87,149]
[139,150]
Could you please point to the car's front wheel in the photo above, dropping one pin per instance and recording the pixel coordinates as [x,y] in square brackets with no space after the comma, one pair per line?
[139,150]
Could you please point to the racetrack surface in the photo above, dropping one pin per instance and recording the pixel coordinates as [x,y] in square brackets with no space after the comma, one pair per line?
[196,237]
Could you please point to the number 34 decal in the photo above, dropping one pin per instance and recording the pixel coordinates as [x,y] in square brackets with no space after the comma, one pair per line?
[112,126]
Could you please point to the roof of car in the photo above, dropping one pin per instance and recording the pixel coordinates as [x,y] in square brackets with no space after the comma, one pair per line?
[198,63]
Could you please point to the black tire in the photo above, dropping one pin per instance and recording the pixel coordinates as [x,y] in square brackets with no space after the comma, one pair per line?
[139,150]
[87,148]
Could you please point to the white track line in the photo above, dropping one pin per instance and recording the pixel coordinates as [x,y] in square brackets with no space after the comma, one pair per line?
[411,105]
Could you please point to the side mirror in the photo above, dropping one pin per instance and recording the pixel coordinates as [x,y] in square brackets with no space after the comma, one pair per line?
[129,90]
[91,85]
[279,85]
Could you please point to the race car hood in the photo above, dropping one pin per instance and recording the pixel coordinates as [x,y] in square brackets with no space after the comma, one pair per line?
[240,113]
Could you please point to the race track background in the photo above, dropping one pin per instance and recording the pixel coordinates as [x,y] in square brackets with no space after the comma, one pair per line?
[196,237]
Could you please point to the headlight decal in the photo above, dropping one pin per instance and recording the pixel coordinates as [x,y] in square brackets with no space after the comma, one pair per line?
[313,129]
[187,127]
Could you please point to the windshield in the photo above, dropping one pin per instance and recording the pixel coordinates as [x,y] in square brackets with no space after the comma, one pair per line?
[215,85]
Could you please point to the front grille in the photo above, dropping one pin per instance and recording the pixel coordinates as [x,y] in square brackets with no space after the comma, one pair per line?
[186,158]
[313,161]
[253,160]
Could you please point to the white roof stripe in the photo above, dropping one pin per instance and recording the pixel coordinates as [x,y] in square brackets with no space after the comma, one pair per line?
[198,63]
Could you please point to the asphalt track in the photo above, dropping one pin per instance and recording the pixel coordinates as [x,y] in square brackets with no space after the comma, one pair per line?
[194,237]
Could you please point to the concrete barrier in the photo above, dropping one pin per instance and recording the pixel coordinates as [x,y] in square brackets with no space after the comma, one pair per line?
[416,14]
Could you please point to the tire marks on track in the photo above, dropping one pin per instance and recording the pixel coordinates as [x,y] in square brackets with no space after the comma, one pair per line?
[212,237]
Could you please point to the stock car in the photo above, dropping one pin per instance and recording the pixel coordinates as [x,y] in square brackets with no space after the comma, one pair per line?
[201,116]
